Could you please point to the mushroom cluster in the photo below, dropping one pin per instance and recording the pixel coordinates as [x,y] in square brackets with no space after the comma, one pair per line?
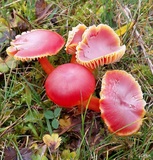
[95,45]
[121,100]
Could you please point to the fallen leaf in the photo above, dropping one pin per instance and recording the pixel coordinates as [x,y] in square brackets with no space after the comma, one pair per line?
[70,124]
[10,154]
[44,10]
[40,6]
[5,32]
[26,153]
[124,29]
[65,122]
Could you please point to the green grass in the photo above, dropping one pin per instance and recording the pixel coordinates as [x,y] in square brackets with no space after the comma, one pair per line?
[23,101]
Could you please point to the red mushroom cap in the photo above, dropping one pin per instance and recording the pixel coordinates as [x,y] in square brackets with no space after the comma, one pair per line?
[74,37]
[121,103]
[69,85]
[100,45]
[35,44]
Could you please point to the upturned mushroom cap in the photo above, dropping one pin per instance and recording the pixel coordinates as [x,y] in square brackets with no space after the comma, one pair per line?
[34,44]
[100,45]
[121,103]
[74,37]
[69,85]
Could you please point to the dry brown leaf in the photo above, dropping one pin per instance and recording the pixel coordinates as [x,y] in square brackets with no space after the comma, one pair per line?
[40,6]
[10,154]
[65,122]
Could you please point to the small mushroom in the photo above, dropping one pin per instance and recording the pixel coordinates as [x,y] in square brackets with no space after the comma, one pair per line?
[100,45]
[74,37]
[121,103]
[70,85]
[36,44]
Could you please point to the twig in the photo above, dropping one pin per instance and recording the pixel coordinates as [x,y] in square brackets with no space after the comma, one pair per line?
[128,14]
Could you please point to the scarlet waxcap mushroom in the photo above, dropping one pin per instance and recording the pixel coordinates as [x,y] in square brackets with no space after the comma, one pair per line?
[35,44]
[100,45]
[121,103]
[74,37]
[38,43]
[69,85]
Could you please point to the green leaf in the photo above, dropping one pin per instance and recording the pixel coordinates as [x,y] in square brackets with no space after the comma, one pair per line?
[28,96]
[4,23]
[6,64]
[65,154]
[49,126]
[35,95]
[49,115]
[55,123]
[39,157]
[33,116]
[33,129]
[11,62]
[3,68]
[57,112]
[44,158]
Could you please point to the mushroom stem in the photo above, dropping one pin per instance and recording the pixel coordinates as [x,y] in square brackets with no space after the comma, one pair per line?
[92,104]
[73,60]
[46,65]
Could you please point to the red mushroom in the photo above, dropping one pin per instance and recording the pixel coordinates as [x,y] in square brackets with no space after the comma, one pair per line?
[70,85]
[100,45]
[74,37]
[121,103]
[35,44]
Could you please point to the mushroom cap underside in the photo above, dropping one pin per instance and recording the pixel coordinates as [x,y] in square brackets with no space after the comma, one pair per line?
[100,45]
[74,37]
[121,103]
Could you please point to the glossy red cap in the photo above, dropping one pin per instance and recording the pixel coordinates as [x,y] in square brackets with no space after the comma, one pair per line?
[69,85]
[34,44]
